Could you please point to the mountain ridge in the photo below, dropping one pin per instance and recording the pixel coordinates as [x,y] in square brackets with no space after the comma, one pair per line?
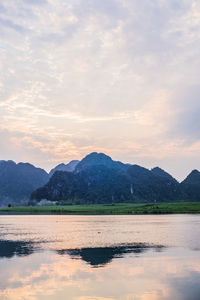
[97,178]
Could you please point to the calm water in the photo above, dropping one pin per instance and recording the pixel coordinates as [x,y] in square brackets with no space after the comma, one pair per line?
[100,257]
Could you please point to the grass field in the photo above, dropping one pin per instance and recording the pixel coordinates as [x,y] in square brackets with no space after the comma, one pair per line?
[118,209]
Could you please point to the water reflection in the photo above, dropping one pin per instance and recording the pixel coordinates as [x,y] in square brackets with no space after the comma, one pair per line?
[20,248]
[134,257]
[165,275]
[98,257]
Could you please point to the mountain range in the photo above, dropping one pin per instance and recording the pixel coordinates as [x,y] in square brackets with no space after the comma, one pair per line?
[95,179]
[99,179]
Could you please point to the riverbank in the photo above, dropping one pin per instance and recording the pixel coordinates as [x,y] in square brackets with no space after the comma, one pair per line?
[110,209]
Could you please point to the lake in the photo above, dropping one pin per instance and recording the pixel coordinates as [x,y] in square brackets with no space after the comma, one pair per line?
[147,257]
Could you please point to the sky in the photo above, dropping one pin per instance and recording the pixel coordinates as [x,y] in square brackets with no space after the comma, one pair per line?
[113,76]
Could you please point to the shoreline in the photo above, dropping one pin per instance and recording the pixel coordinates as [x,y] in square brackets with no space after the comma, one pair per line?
[108,209]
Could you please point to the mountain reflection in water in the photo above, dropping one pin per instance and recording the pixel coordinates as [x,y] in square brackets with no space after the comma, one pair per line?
[134,257]
[9,249]
[98,257]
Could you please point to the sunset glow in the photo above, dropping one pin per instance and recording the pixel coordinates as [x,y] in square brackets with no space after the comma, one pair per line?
[113,76]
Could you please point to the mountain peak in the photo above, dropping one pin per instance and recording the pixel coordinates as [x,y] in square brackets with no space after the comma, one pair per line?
[18,181]
[94,159]
[193,178]
[6,162]
[70,167]
[97,156]
[160,172]
[194,172]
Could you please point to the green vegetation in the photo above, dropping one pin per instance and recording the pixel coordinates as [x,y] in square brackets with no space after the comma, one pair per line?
[99,180]
[109,209]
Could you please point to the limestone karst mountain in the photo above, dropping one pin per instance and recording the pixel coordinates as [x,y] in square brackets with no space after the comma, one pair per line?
[18,181]
[70,167]
[99,179]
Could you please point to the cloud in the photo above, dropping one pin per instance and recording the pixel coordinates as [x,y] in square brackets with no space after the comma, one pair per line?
[10,24]
[35,2]
[187,107]
[111,75]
